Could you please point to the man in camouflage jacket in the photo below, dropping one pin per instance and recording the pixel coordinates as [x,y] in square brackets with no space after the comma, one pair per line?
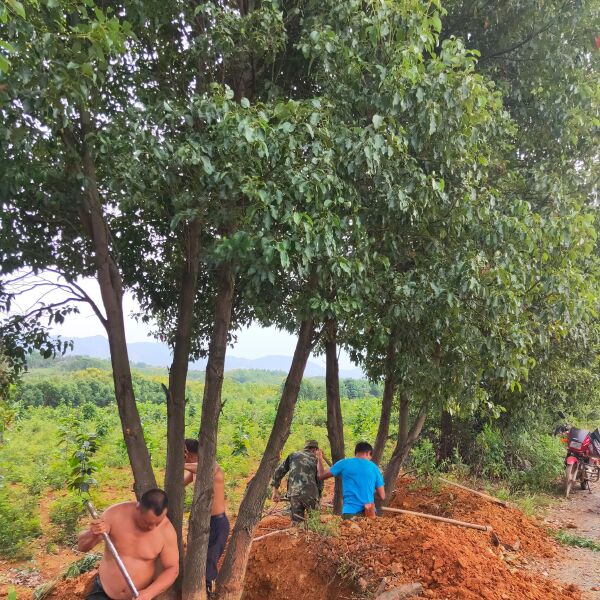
[304,486]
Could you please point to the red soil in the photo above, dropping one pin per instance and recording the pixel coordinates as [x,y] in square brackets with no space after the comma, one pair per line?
[451,562]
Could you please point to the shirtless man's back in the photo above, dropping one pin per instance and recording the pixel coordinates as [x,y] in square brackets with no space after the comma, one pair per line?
[141,534]
[219,523]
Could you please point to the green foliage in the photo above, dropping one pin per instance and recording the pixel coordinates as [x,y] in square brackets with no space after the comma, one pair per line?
[83,565]
[423,459]
[65,514]
[82,446]
[490,448]
[568,539]
[538,460]
[328,527]
[18,525]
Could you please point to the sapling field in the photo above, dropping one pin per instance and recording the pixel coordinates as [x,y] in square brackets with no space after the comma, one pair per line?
[59,403]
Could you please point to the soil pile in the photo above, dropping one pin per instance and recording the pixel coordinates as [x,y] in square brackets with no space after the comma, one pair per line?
[290,565]
[509,524]
[370,556]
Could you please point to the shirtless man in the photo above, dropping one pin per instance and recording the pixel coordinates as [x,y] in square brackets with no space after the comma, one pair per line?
[219,523]
[141,533]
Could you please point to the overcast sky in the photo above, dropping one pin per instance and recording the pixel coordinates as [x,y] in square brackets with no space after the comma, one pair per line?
[253,342]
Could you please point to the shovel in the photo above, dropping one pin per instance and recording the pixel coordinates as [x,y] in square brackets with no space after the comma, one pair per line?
[113,551]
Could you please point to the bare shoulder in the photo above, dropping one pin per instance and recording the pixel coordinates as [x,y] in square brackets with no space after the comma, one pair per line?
[117,511]
[219,472]
[168,532]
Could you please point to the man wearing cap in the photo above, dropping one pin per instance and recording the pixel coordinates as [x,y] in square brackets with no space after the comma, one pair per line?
[304,486]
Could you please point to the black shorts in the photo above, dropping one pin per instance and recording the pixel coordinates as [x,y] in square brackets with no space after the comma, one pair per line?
[97,592]
[219,531]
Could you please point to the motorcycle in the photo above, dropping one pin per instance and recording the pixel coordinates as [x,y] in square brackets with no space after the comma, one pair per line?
[582,463]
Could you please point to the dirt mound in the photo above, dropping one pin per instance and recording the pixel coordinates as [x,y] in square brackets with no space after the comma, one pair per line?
[452,563]
[292,566]
[73,589]
[509,524]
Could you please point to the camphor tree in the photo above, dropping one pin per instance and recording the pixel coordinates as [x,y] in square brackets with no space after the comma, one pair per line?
[56,210]
[406,118]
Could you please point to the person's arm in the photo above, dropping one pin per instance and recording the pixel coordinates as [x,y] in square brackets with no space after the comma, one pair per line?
[322,472]
[169,558]
[320,483]
[379,485]
[190,470]
[279,474]
[93,536]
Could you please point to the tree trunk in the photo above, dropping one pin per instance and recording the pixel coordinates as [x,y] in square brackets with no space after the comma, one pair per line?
[446,435]
[384,421]
[231,577]
[335,423]
[194,587]
[389,390]
[177,380]
[406,440]
[111,289]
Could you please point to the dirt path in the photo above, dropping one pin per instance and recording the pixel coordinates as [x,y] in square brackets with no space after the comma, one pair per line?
[580,515]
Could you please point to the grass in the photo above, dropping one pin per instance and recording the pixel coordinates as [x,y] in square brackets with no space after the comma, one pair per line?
[79,567]
[329,528]
[568,539]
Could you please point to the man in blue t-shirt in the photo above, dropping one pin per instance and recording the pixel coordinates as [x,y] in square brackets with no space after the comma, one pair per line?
[361,478]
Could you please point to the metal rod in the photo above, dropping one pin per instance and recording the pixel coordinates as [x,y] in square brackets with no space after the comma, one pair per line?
[262,537]
[113,551]
[442,519]
[476,492]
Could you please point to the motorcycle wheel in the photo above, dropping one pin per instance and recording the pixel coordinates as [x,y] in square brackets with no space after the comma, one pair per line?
[569,478]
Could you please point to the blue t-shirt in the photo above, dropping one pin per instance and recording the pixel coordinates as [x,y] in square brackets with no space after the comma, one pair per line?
[360,477]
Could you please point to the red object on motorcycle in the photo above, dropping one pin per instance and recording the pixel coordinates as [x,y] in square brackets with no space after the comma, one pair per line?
[570,460]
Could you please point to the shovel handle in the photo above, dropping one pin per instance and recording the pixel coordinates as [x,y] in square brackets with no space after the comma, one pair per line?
[113,551]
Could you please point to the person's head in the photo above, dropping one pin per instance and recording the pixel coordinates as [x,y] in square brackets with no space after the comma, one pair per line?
[311,446]
[363,450]
[151,509]
[191,450]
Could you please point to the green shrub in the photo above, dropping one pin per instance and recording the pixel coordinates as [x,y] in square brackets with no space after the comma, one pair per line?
[17,526]
[537,460]
[81,566]
[423,459]
[65,514]
[490,448]
[328,528]
[569,539]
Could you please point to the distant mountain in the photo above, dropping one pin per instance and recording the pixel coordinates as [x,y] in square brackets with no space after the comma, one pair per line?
[158,355]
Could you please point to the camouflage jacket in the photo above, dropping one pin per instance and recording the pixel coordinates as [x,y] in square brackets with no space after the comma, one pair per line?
[303,481]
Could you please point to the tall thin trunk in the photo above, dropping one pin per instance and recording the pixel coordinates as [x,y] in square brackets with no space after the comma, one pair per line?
[111,290]
[233,571]
[177,380]
[387,399]
[406,440]
[446,435]
[384,420]
[335,423]
[198,534]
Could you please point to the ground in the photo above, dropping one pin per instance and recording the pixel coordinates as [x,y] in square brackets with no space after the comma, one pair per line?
[580,515]
[359,559]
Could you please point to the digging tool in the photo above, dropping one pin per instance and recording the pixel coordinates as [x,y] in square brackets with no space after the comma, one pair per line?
[476,492]
[486,528]
[113,551]
[262,537]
